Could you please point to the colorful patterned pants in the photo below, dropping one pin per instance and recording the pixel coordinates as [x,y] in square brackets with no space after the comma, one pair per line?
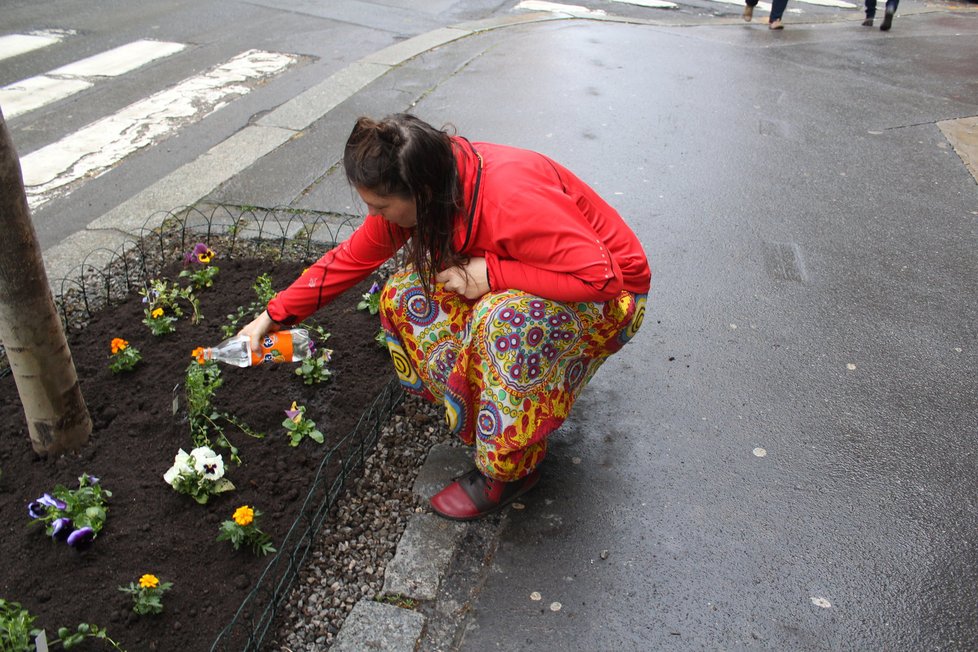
[508,367]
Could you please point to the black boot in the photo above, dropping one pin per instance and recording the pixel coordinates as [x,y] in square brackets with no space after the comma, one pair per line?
[887,21]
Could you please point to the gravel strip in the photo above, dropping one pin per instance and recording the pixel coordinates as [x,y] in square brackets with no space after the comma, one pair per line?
[362,532]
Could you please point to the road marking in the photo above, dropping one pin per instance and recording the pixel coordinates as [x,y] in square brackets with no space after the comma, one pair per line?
[13,45]
[95,148]
[35,92]
[763,6]
[841,4]
[120,60]
[652,4]
[553,7]
[766,6]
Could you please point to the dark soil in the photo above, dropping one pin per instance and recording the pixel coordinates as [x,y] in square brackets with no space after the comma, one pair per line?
[150,528]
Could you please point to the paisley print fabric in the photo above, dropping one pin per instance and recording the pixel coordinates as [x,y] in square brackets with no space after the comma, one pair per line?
[507,367]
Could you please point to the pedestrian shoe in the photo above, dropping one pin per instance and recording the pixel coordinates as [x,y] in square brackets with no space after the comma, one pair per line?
[473,495]
[868,22]
[776,24]
[748,12]
[887,21]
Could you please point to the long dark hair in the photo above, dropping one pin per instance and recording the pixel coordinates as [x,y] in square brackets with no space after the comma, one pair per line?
[405,156]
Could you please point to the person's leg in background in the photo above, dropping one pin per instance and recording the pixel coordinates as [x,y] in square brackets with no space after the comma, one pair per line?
[870,13]
[749,10]
[777,10]
[891,7]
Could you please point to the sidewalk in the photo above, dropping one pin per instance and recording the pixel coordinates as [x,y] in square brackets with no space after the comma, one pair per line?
[784,456]
[776,461]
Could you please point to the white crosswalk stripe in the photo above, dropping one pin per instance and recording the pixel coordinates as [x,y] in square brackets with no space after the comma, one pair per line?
[557,8]
[580,11]
[95,148]
[32,93]
[651,4]
[13,45]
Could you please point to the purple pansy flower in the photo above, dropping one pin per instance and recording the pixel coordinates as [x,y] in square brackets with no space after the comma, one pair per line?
[295,414]
[375,288]
[60,527]
[201,253]
[36,509]
[81,537]
[92,480]
[51,501]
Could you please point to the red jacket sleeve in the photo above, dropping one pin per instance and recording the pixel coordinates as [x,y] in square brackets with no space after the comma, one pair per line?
[544,245]
[340,268]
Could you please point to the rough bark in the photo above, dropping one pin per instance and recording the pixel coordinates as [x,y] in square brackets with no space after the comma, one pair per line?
[30,330]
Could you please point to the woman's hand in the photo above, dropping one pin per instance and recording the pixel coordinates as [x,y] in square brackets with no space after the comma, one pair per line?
[257,328]
[471,280]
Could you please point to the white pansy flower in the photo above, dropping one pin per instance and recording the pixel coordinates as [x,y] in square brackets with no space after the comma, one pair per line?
[211,467]
[181,465]
[202,451]
[182,461]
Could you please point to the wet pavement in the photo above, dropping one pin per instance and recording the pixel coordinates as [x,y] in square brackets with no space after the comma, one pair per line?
[784,456]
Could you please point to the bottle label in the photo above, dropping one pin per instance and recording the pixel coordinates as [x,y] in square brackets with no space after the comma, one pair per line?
[275,347]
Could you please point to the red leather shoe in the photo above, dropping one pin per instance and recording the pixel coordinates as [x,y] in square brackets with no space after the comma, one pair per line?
[473,495]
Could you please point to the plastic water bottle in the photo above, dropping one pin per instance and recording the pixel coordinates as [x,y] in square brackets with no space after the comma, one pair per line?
[282,346]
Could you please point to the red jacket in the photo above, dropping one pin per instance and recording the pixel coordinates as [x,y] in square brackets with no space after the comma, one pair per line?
[539,227]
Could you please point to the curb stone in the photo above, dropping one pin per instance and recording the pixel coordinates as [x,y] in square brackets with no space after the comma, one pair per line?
[422,559]
[377,626]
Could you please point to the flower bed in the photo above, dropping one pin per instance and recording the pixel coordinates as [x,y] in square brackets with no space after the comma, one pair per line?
[140,422]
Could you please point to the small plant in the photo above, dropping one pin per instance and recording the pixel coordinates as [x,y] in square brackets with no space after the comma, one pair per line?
[299,427]
[263,289]
[264,293]
[242,529]
[313,370]
[147,594]
[159,322]
[161,306]
[397,600]
[371,300]
[17,631]
[199,269]
[199,474]
[74,516]
[124,357]
[321,333]
[381,339]
[16,626]
[203,378]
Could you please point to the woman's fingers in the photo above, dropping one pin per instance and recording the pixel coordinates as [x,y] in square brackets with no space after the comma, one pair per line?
[453,278]
[469,281]
[257,328]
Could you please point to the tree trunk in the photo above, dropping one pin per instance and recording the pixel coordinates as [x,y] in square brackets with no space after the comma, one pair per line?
[30,330]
